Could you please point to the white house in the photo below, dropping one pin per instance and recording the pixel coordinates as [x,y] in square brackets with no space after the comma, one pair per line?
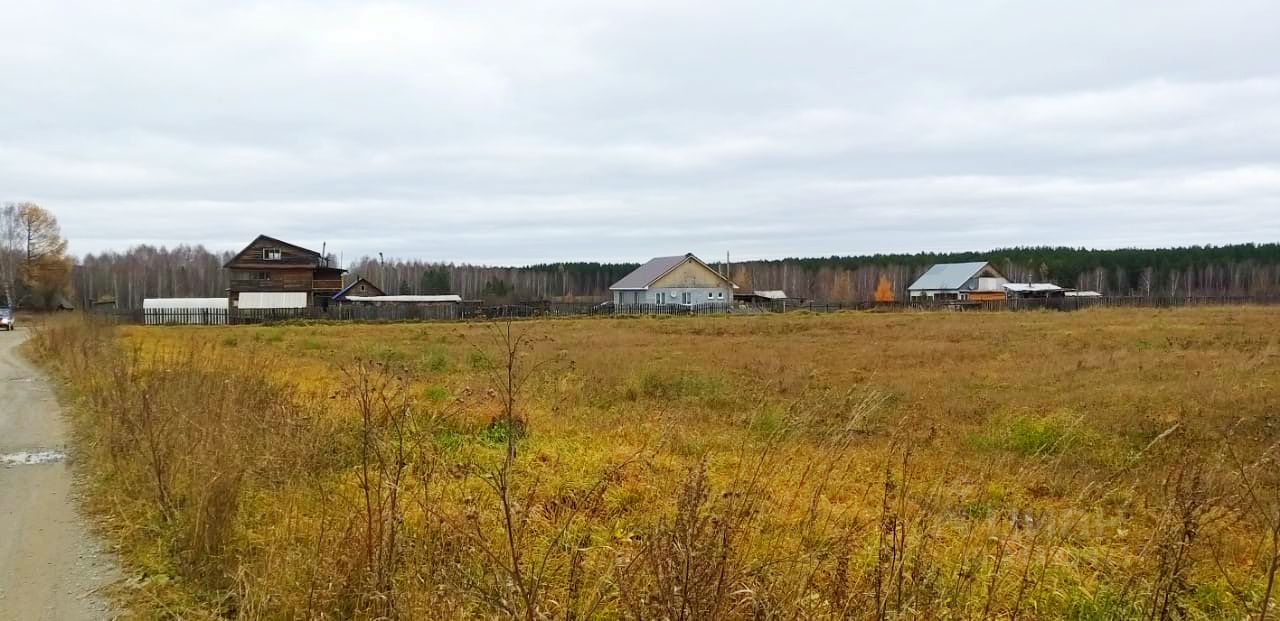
[960,281]
[682,279]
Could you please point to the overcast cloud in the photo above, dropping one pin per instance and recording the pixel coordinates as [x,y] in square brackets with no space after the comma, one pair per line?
[533,131]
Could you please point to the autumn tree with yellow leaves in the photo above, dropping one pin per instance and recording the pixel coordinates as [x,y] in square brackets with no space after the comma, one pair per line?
[34,267]
[884,290]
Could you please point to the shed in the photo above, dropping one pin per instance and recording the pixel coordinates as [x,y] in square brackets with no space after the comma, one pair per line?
[405,299]
[360,288]
[1034,290]
[761,297]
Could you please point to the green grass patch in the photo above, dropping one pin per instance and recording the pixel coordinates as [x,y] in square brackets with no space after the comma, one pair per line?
[435,393]
[436,360]
[479,361]
[658,384]
[1029,436]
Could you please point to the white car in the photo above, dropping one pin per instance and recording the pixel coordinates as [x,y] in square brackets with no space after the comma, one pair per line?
[6,319]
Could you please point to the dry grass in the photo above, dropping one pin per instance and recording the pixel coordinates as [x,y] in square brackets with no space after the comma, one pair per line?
[1103,464]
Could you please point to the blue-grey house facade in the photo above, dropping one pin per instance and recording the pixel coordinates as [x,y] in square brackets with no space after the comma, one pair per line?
[681,279]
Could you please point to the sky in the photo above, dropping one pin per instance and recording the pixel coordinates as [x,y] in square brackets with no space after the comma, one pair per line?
[616,130]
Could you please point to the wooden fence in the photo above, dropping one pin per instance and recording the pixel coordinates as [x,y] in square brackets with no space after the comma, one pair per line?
[1029,304]
[476,312]
[397,312]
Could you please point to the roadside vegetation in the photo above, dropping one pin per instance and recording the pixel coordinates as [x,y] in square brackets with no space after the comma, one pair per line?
[1095,465]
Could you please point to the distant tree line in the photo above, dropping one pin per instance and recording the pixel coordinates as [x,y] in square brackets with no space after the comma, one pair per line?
[1237,270]
[553,281]
[125,279]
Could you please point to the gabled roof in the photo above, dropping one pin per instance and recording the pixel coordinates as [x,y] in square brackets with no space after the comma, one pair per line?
[656,268]
[353,285]
[277,242]
[945,276]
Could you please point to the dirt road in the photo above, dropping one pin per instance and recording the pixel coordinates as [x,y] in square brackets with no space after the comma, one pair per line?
[50,565]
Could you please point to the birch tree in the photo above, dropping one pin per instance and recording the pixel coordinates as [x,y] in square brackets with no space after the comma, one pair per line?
[10,254]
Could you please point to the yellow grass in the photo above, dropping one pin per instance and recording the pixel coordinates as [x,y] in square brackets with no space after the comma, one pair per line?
[1099,464]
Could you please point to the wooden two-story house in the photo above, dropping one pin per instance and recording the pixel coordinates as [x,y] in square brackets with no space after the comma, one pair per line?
[270,273]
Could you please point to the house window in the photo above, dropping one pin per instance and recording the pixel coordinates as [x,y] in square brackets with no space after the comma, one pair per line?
[262,275]
[711,295]
[662,298]
[686,297]
[272,254]
[720,295]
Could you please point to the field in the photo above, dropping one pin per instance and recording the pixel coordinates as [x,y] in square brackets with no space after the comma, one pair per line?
[1092,465]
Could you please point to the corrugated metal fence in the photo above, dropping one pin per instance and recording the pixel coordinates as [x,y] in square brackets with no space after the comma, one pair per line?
[472,311]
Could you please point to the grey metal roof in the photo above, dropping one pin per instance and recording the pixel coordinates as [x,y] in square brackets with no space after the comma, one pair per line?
[644,275]
[1031,287]
[947,276]
[420,299]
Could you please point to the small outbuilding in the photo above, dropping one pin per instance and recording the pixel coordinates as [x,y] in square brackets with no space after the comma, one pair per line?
[761,297]
[379,300]
[1034,290]
[360,288]
[977,281]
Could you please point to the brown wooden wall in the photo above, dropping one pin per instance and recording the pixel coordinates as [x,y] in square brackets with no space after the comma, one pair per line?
[278,280]
[290,256]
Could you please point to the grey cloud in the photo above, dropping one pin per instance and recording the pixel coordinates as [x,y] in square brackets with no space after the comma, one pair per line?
[618,130]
